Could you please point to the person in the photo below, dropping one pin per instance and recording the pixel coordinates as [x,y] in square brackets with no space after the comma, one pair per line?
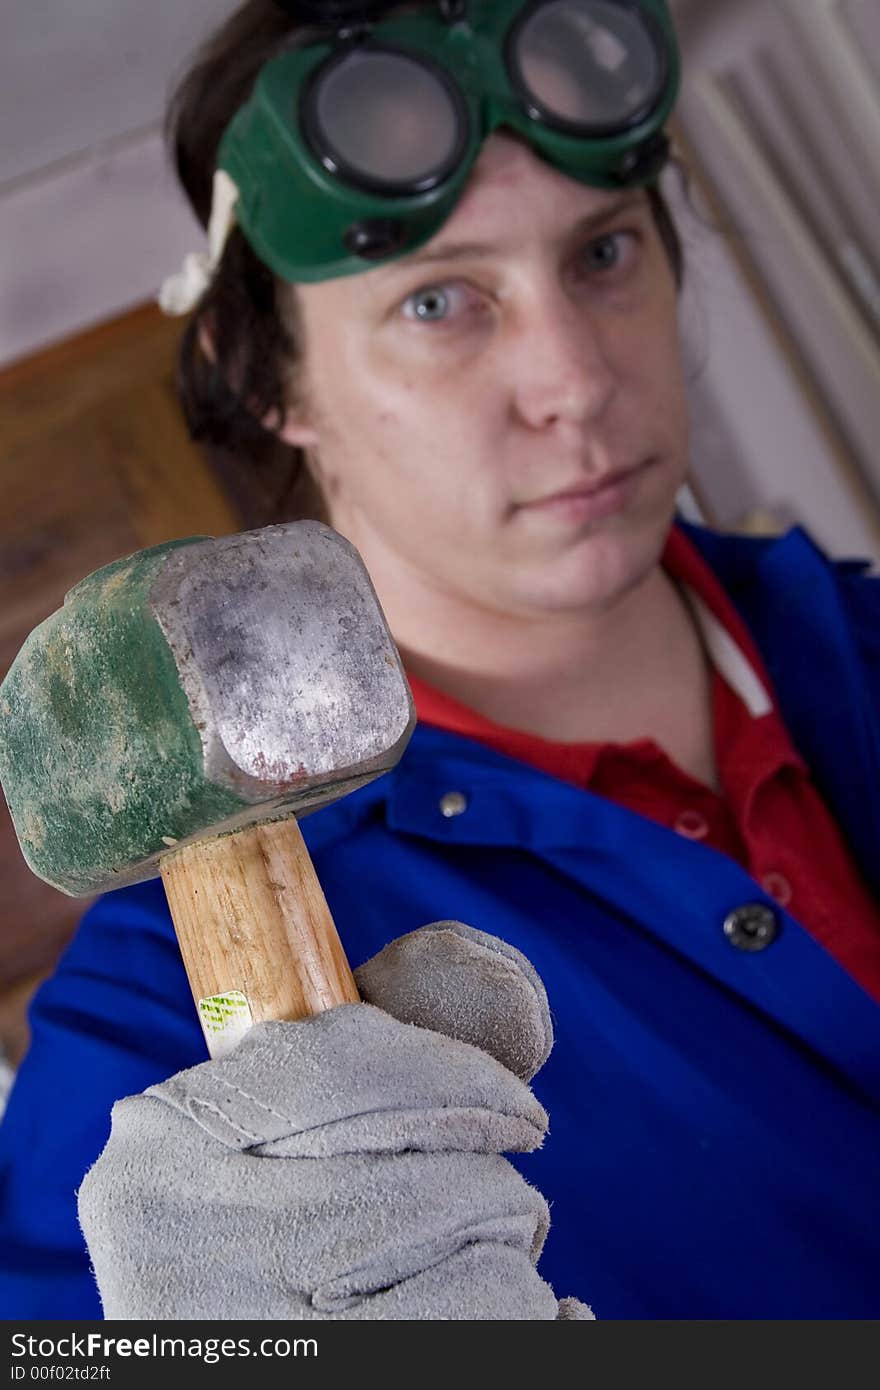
[647,761]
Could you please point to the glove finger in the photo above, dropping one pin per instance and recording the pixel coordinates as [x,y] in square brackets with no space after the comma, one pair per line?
[354,1079]
[467,984]
[178,1226]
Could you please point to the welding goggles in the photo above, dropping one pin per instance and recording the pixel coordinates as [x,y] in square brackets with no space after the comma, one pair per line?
[354,146]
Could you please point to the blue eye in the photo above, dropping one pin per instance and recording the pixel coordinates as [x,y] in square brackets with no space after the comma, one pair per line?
[428,305]
[606,252]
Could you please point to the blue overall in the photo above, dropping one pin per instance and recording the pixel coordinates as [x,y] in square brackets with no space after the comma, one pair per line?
[714,1144]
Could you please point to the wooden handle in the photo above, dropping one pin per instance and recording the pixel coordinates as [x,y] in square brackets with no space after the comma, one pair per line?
[254,930]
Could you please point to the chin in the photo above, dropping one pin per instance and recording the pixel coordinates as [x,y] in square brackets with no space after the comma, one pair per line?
[598,569]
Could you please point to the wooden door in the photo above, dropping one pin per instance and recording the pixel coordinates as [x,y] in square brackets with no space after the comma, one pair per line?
[95,462]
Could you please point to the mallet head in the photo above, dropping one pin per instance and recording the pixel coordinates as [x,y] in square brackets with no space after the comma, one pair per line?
[192,689]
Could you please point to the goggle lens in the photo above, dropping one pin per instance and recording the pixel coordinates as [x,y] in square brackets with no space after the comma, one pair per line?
[588,63]
[388,120]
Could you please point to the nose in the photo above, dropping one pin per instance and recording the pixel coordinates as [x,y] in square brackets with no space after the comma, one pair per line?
[563,371]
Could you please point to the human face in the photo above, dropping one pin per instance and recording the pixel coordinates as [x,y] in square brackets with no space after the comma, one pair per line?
[504,427]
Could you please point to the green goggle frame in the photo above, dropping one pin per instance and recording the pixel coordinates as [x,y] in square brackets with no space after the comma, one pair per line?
[309,218]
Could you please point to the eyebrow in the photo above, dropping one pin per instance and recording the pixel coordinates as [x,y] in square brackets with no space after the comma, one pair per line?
[472,250]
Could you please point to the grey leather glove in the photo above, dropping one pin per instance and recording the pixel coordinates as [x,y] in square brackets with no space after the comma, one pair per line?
[347,1166]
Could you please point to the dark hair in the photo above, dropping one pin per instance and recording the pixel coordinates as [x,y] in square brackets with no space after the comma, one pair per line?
[255,334]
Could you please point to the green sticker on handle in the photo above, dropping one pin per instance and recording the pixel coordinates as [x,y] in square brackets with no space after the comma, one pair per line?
[225,1019]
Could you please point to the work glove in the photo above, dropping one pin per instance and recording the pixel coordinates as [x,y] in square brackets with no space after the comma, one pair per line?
[348,1166]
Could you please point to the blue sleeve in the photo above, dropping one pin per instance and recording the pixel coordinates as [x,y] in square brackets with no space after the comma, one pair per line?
[116,1016]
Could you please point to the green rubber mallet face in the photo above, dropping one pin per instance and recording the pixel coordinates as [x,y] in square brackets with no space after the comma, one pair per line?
[192,689]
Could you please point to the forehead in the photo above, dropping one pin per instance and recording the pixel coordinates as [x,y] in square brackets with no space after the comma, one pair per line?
[512,198]
[509,173]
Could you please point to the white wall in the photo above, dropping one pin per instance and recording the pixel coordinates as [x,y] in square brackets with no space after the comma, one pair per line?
[91,219]
[757,447]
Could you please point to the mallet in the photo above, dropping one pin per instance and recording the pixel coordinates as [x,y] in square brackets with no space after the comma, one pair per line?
[175,716]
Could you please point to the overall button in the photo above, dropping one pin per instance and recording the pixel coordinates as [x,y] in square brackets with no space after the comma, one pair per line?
[751,927]
[453,804]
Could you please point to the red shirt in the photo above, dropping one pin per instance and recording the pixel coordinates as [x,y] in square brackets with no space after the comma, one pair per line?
[769,815]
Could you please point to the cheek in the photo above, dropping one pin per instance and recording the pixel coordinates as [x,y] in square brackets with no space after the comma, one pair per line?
[383,427]
[425,465]
[420,425]
[652,359]
[674,398]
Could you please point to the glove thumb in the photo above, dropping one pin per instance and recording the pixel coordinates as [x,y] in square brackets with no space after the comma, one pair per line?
[467,984]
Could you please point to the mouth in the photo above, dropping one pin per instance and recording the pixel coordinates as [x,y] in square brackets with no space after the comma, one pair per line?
[594,497]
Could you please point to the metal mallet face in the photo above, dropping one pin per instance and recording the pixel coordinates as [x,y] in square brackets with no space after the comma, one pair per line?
[193,690]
